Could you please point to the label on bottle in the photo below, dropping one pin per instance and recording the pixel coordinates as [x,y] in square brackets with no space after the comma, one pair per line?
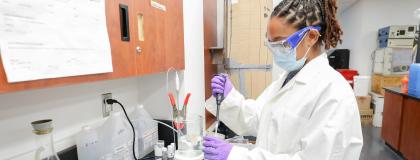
[150,138]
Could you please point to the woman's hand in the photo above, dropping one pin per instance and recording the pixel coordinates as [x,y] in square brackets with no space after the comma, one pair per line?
[221,84]
[216,149]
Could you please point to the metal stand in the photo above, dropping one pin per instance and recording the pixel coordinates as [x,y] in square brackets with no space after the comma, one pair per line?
[418,46]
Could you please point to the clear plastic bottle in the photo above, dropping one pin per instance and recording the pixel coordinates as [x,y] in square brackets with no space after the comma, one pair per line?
[146,130]
[115,138]
[44,139]
[87,144]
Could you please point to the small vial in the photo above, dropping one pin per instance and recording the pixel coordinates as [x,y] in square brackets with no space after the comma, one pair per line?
[159,146]
[171,152]
[165,154]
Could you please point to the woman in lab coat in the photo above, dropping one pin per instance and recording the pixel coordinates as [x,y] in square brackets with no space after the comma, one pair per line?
[310,112]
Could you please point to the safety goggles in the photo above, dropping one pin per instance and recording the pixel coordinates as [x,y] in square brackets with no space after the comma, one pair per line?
[292,41]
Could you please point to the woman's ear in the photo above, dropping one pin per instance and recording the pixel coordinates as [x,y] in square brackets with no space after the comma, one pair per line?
[312,37]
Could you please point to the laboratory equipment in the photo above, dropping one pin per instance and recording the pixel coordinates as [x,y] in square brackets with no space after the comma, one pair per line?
[404,84]
[190,139]
[179,115]
[339,59]
[165,153]
[87,144]
[146,130]
[401,36]
[115,138]
[44,138]
[171,151]
[219,99]
[396,43]
[414,80]
[390,61]
[348,74]
[159,146]
[398,32]
[417,15]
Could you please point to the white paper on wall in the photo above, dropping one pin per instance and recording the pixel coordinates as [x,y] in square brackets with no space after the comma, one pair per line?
[53,38]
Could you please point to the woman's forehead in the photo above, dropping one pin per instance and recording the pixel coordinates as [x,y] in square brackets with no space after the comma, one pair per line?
[279,28]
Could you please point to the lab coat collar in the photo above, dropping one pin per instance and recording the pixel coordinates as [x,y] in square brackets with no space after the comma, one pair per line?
[312,69]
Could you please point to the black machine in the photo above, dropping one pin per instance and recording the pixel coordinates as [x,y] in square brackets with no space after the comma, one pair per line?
[339,59]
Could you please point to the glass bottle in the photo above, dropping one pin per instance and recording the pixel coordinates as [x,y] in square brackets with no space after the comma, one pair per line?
[44,138]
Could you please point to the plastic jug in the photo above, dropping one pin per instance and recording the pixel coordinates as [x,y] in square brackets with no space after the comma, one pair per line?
[146,130]
[115,138]
[414,78]
[87,144]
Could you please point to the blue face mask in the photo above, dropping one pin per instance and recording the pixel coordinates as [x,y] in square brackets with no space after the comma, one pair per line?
[284,52]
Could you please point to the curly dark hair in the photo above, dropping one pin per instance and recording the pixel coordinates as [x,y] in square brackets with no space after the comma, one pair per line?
[303,13]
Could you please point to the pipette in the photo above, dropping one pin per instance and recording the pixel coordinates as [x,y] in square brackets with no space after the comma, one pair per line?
[219,99]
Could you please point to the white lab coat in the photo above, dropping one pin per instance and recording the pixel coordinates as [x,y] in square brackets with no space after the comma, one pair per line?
[313,117]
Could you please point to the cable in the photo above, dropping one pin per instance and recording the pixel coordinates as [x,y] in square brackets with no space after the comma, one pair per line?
[112,101]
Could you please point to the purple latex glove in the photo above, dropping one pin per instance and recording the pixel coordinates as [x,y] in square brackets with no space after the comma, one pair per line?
[216,149]
[221,84]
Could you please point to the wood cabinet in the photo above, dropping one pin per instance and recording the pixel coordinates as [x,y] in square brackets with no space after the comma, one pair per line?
[392,117]
[410,131]
[174,34]
[157,33]
[401,123]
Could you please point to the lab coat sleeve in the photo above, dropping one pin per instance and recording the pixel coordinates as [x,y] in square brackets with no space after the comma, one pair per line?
[239,114]
[336,139]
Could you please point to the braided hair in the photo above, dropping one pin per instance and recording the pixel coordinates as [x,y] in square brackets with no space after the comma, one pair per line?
[303,13]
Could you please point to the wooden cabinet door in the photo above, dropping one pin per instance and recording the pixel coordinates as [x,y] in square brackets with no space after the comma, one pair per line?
[174,34]
[123,52]
[410,132]
[122,57]
[392,115]
[149,21]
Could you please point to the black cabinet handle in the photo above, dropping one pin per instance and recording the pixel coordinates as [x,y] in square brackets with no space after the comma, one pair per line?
[124,23]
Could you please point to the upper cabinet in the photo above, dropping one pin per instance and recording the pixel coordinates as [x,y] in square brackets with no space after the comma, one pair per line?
[146,37]
[159,36]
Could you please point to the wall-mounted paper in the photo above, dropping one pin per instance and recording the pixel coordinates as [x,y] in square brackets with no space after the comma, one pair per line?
[42,39]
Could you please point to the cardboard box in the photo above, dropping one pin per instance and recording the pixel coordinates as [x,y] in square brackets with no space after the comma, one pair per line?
[363,102]
[380,81]
[366,116]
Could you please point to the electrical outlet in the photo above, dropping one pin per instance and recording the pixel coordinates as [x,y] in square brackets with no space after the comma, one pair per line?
[106,108]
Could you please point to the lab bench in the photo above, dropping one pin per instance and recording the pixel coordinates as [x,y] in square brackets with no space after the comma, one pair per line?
[71,154]
[401,123]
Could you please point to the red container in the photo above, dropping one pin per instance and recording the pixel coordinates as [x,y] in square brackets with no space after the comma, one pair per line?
[348,74]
